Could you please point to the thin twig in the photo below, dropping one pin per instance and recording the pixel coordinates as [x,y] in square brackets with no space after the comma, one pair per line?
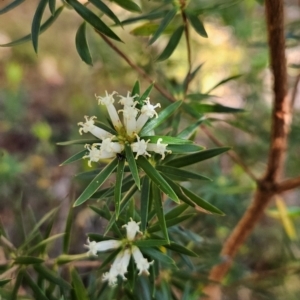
[164,92]
[233,155]
[288,184]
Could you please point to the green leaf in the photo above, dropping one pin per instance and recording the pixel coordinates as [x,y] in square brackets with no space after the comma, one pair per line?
[162,116]
[170,222]
[224,81]
[78,142]
[182,149]
[187,160]
[118,186]
[52,276]
[92,19]
[79,289]
[197,24]
[201,202]
[190,76]
[198,97]
[150,16]
[128,5]
[45,242]
[75,157]
[132,165]
[27,260]
[136,89]
[172,44]
[181,249]
[157,255]
[82,45]
[68,228]
[10,6]
[105,127]
[150,243]
[214,108]
[36,23]
[43,28]
[96,182]
[176,211]
[109,258]
[154,175]
[145,194]
[146,93]
[166,139]
[158,206]
[187,108]
[145,29]
[181,173]
[39,293]
[106,10]
[52,4]
[189,131]
[4,282]
[163,24]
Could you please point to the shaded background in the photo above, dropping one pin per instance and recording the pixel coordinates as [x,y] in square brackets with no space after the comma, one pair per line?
[42,98]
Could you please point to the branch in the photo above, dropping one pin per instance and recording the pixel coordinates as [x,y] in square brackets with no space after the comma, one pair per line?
[288,184]
[280,125]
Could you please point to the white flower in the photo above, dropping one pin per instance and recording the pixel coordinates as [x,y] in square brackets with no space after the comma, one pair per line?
[95,154]
[147,111]
[158,148]
[89,126]
[140,147]
[119,267]
[132,228]
[108,100]
[128,100]
[95,247]
[141,262]
[129,116]
[109,147]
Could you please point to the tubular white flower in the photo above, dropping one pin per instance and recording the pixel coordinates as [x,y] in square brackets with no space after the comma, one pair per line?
[147,111]
[89,126]
[159,148]
[132,228]
[129,115]
[108,147]
[141,262]
[140,147]
[94,154]
[95,247]
[108,100]
[128,100]
[119,267]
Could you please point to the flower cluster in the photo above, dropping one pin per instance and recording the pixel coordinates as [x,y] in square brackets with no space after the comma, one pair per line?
[134,120]
[121,262]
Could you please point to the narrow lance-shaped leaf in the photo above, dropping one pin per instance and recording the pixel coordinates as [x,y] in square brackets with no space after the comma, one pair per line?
[150,243]
[158,206]
[176,211]
[28,260]
[74,157]
[147,92]
[132,165]
[106,10]
[150,16]
[181,249]
[162,116]
[189,131]
[38,292]
[52,4]
[224,81]
[43,28]
[4,282]
[145,193]
[68,228]
[172,44]
[154,175]
[78,142]
[197,24]
[92,19]
[96,182]
[36,23]
[79,289]
[214,108]
[166,139]
[196,157]
[118,186]
[136,89]
[128,5]
[163,24]
[82,45]
[10,6]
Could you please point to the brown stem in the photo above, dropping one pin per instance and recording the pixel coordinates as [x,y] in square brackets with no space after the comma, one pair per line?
[288,184]
[164,92]
[280,124]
